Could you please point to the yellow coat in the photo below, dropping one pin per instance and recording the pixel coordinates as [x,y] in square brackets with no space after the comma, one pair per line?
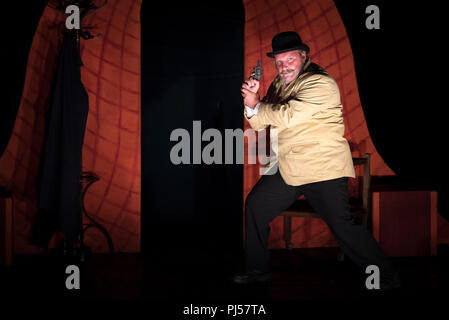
[310,130]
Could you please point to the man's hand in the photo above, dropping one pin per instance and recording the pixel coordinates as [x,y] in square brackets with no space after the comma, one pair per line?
[250,98]
[249,92]
[251,84]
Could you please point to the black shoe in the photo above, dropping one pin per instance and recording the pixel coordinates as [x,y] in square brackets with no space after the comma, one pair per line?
[252,277]
[388,285]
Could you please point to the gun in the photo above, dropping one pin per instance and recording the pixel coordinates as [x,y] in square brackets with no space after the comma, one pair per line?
[258,71]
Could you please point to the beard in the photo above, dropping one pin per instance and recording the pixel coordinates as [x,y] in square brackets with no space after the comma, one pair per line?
[287,75]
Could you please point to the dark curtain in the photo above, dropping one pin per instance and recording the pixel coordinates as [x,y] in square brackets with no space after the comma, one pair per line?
[16,44]
[192,70]
[58,187]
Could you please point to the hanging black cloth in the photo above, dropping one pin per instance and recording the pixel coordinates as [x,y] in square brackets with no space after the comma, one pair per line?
[59,207]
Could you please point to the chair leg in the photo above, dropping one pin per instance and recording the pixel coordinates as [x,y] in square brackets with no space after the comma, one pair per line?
[288,232]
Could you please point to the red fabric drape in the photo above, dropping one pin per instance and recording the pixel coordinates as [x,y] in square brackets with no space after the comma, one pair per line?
[111,76]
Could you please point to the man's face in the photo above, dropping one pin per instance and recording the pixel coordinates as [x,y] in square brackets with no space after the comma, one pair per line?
[289,64]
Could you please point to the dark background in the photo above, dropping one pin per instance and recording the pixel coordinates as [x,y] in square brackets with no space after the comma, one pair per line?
[18,26]
[400,71]
[192,68]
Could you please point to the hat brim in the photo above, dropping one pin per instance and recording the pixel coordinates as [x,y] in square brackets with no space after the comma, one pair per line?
[301,47]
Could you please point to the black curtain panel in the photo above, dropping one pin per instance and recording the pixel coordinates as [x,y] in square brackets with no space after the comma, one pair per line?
[59,180]
[18,26]
[399,68]
[192,70]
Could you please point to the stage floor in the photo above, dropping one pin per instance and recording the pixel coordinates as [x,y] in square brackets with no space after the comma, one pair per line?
[180,278]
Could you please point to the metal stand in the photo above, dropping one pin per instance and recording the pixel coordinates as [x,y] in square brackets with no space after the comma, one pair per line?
[75,246]
[90,178]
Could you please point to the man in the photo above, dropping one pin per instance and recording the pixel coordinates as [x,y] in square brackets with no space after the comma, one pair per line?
[314,159]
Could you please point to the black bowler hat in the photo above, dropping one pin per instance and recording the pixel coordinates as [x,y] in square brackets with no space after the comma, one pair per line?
[287,41]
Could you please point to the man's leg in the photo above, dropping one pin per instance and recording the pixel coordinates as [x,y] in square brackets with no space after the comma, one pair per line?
[330,200]
[266,200]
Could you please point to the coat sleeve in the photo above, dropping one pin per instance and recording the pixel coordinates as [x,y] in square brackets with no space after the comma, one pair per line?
[313,96]
[254,123]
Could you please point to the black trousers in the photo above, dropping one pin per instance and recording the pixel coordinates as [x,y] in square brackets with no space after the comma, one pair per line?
[271,195]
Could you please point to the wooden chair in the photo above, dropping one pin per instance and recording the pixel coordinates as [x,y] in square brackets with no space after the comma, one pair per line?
[359,207]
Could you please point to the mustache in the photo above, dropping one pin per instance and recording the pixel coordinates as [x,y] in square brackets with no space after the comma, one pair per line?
[287,71]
